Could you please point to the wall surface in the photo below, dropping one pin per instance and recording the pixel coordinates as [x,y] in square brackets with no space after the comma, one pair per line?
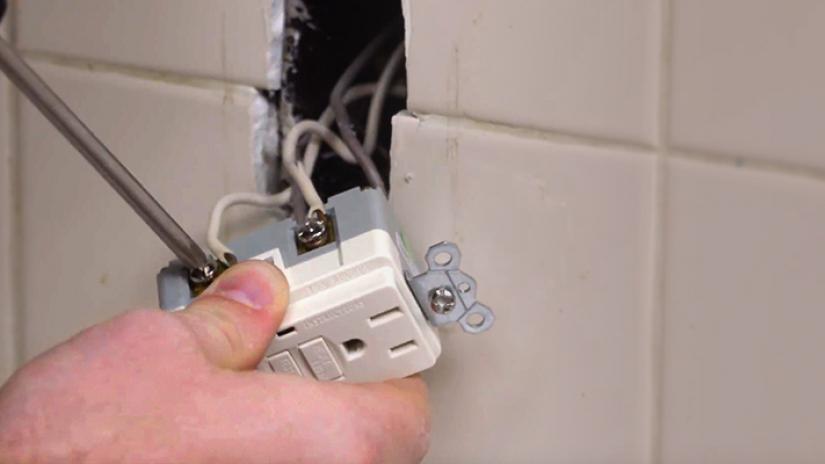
[170,94]
[637,185]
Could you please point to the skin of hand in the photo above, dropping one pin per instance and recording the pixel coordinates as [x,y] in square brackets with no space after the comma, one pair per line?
[149,386]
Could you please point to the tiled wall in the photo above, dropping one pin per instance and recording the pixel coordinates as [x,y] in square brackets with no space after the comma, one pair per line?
[216,39]
[639,186]
[559,237]
[167,85]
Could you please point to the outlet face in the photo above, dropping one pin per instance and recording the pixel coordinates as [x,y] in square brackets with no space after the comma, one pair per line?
[366,329]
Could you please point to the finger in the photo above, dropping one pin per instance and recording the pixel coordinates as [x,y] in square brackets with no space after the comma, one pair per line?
[402,416]
[286,418]
[236,317]
[388,422]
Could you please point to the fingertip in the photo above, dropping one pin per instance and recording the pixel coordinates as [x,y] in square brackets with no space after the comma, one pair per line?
[235,319]
[256,284]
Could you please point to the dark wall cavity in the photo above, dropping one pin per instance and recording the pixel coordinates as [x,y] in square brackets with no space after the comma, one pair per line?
[322,39]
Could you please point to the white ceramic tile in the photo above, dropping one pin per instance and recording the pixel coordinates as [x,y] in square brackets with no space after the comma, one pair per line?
[7,336]
[86,255]
[559,239]
[208,38]
[561,65]
[743,366]
[747,79]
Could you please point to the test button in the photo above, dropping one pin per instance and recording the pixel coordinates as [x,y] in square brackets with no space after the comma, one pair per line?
[320,359]
[283,363]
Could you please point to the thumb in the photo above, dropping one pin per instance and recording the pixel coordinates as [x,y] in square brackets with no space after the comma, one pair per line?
[236,317]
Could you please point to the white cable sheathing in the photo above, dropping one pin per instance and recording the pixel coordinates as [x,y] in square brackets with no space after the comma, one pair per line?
[296,169]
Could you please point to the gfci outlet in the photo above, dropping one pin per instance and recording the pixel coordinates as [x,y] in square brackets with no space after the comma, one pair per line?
[352,312]
[359,308]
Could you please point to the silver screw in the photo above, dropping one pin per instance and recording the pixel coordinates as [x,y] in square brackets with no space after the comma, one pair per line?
[442,300]
[313,232]
[205,274]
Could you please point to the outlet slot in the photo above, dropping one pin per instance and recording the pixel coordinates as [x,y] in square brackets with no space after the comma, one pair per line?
[386,316]
[285,332]
[404,348]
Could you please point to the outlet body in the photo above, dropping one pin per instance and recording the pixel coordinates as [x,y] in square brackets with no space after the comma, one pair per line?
[352,316]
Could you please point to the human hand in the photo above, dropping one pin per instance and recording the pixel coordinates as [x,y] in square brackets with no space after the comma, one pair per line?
[149,386]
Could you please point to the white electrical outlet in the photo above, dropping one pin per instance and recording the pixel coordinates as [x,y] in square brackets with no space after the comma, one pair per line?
[351,315]
[359,310]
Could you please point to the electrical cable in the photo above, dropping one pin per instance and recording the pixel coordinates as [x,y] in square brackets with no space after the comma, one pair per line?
[296,169]
[298,206]
[313,148]
[282,198]
[328,117]
[336,101]
[213,240]
[320,132]
[379,97]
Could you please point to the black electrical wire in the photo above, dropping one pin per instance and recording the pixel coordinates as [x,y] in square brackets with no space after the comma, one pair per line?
[2,9]
[342,118]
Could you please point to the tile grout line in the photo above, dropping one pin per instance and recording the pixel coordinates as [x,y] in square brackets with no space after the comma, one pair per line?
[560,138]
[463,122]
[753,165]
[657,309]
[8,333]
[17,235]
[135,72]
[16,232]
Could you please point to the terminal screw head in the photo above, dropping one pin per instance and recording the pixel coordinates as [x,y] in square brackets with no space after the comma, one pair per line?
[201,278]
[442,300]
[313,233]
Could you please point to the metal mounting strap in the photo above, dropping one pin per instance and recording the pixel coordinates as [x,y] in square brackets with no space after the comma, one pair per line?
[446,294]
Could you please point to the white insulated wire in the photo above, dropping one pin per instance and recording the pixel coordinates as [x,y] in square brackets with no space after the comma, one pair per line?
[326,120]
[342,116]
[296,169]
[382,88]
[301,172]
[213,240]
[328,117]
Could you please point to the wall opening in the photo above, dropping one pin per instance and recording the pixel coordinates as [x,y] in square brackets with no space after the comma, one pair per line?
[321,40]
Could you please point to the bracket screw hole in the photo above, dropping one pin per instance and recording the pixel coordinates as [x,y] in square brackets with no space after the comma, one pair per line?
[464,287]
[443,258]
[475,320]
